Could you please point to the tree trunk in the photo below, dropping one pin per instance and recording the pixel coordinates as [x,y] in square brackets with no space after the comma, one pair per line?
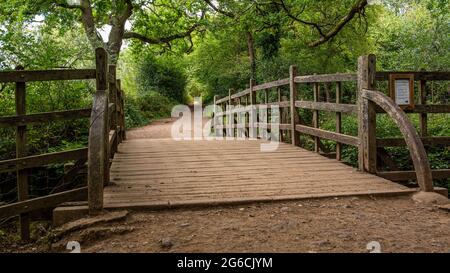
[251,54]
[115,42]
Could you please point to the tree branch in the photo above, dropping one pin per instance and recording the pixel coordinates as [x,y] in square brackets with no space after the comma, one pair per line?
[88,21]
[358,8]
[67,6]
[161,40]
[221,11]
[295,18]
[127,12]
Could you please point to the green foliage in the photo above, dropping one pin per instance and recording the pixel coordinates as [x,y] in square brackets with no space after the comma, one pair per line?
[162,76]
[415,36]
[153,85]
[143,109]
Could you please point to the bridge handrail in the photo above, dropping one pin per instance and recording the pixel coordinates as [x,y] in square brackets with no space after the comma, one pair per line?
[107,130]
[370,149]
[412,139]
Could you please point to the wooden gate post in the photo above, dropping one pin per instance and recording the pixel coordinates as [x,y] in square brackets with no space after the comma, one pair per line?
[367,157]
[21,151]
[295,136]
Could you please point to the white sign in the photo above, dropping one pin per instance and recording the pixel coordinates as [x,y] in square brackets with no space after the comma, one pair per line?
[402,92]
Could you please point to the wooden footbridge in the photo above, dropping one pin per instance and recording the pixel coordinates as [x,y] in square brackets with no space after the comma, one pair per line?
[165,173]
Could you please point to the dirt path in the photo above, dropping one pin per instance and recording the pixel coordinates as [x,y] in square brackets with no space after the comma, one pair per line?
[161,128]
[329,225]
[157,129]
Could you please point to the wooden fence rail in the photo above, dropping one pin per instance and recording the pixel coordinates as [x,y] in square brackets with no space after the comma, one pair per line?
[368,104]
[107,130]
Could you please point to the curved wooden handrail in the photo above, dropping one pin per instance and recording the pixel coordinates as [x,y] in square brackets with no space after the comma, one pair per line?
[412,139]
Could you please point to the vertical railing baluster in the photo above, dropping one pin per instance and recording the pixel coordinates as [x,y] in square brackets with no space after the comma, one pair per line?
[338,121]
[21,151]
[316,116]
[295,137]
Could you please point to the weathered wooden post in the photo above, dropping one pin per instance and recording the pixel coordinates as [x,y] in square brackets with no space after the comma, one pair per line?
[281,113]
[367,150]
[121,95]
[338,120]
[253,115]
[97,155]
[423,120]
[214,117]
[21,151]
[113,98]
[315,119]
[230,129]
[295,136]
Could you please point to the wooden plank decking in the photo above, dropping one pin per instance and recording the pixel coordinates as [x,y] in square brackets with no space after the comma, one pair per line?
[161,173]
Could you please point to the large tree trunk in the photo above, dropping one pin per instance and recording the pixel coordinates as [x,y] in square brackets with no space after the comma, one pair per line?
[115,42]
[251,55]
[87,19]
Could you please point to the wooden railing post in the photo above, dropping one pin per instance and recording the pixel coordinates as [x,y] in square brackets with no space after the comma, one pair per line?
[315,119]
[367,149]
[423,120]
[253,115]
[98,135]
[21,151]
[295,136]
[124,131]
[281,113]
[214,118]
[121,96]
[230,130]
[113,98]
[338,121]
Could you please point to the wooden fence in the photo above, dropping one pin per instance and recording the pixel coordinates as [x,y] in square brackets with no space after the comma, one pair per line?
[369,102]
[107,130]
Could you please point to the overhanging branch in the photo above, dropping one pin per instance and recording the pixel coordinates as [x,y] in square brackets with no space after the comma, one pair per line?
[160,40]
[358,8]
[221,11]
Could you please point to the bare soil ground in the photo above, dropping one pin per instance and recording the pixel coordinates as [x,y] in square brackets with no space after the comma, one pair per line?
[328,225]
[157,129]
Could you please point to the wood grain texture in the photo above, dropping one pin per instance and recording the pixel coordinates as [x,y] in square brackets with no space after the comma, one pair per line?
[293,95]
[47,75]
[163,173]
[28,162]
[98,136]
[21,151]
